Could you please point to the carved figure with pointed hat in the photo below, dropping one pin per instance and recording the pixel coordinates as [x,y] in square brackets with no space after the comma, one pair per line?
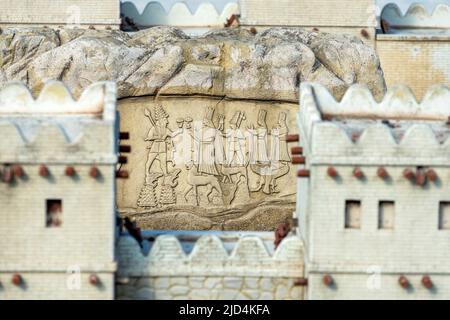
[210,145]
[159,138]
[236,141]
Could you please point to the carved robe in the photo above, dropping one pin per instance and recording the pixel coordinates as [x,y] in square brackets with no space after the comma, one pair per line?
[258,146]
[280,150]
[178,147]
[158,136]
[235,147]
[210,151]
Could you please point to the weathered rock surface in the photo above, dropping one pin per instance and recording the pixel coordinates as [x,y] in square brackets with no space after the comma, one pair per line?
[163,60]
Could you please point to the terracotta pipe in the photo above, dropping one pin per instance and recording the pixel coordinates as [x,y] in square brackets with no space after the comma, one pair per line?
[408,174]
[332,172]
[94,172]
[303,173]
[292,138]
[18,171]
[432,175]
[43,171]
[17,279]
[94,280]
[122,174]
[301,282]
[327,280]
[298,160]
[297,150]
[358,173]
[427,283]
[7,175]
[122,160]
[69,171]
[124,135]
[421,178]
[403,282]
[125,148]
[382,173]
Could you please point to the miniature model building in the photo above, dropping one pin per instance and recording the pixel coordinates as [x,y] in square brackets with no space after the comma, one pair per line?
[61,13]
[214,266]
[414,46]
[374,194]
[58,164]
[58,169]
[337,16]
[188,15]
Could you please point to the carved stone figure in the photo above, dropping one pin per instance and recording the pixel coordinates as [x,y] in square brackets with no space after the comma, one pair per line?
[215,161]
[210,151]
[236,141]
[159,138]
[177,141]
[183,143]
[269,170]
[161,148]
[280,149]
[258,140]
[195,180]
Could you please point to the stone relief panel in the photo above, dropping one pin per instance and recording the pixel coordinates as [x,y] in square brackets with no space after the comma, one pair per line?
[202,163]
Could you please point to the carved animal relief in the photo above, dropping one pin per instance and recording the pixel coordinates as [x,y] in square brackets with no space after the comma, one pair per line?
[215,157]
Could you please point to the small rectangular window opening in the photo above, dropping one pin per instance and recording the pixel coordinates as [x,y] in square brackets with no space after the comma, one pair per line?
[53,213]
[386,214]
[444,216]
[352,214]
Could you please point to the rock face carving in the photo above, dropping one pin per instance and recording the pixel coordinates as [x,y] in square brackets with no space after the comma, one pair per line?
[255,76]
[209,160]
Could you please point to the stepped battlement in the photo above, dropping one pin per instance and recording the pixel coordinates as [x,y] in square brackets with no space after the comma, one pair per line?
[417,17]
[249,257]
[397,130]
[55,128]
[182,14]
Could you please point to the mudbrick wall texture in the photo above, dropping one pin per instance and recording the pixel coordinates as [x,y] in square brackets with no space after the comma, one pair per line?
[60,13]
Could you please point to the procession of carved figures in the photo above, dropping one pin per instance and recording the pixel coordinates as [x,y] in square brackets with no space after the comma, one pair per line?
[217,161]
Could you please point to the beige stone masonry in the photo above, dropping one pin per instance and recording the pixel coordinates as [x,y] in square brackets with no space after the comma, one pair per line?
[56,13]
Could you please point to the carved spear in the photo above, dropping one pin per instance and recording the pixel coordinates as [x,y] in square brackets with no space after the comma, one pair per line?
[148,114]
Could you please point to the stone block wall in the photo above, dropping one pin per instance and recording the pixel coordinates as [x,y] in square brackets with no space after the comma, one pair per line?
[340,13]
[415,49]
[349,17]
[60,13]
[48,284]
[54,222]
[209,271]
[367,285]
[366,250]
[416,61]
